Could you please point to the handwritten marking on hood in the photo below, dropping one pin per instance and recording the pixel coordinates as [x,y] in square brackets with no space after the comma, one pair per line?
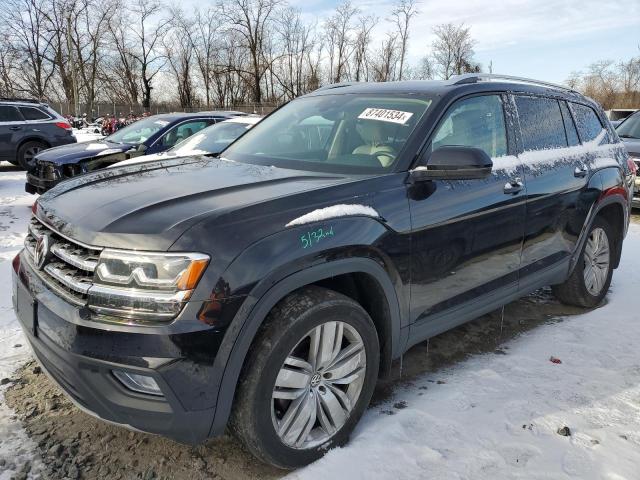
[334,211]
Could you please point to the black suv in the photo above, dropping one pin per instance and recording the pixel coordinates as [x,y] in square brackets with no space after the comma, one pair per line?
[269,288]
[147,136]
[27,127]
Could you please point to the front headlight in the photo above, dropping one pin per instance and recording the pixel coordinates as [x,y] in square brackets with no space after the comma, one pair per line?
[144,285]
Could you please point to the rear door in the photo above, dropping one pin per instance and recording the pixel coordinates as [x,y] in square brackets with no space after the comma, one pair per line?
[467,234]
[11,131]
[556,173]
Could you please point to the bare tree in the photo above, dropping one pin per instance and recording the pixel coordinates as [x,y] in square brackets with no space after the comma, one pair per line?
[386,58]
[179,50]
[252,20]
[401,15]
[453,50]
[366,24]
[25,27]
[339,31]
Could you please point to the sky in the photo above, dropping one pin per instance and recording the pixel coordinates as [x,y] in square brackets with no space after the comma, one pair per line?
[542,39]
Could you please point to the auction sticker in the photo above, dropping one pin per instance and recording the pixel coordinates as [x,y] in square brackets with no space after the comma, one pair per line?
[384,115]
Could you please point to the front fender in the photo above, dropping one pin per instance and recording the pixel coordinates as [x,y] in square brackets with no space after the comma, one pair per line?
[283,266]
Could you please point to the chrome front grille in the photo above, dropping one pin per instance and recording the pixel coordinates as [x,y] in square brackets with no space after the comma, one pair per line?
[69,267]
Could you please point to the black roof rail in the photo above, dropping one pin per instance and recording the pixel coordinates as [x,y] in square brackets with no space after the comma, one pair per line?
[25,100]
[335,85]
[480,77]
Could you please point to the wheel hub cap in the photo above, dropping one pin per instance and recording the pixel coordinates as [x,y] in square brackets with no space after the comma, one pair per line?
[596,261]
[318,385]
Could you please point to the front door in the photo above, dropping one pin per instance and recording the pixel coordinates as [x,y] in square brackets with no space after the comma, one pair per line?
[467,234]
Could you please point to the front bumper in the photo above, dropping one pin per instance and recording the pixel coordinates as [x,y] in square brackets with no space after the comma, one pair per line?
[81,357]
[36,184]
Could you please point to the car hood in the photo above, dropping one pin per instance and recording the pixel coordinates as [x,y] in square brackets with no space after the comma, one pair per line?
[632,145]
[148,206]
[77,152]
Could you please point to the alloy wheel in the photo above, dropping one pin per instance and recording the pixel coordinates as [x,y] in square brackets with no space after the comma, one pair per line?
[596,261]
[318,385]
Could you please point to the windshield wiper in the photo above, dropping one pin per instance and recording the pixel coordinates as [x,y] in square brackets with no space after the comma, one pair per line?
[624,135]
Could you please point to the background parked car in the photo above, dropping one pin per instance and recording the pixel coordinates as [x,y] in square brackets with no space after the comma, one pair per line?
[147,136]
[209,141]
[29,126]
[629,132]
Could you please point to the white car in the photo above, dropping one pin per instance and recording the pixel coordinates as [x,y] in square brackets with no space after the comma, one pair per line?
[208,141]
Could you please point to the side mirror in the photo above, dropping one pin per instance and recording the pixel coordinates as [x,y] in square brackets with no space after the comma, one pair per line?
[453,162]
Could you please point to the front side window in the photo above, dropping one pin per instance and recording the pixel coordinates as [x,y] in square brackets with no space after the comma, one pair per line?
[475,122]
[30,113]
[138,132]
[182,132]
[9,114]
[541,123]
[589,126]
[340,132]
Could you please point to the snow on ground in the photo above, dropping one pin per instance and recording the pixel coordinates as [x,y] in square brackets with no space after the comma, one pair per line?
[494,417]
[15,209]
[497,416]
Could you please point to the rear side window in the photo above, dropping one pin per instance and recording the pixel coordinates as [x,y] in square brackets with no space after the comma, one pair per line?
[569,126]
[31,113]
[541,123]
[9,114]
[588,123]
[475,122]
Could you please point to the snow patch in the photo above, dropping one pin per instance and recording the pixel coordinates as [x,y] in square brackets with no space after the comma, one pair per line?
[334,211]
[537,159]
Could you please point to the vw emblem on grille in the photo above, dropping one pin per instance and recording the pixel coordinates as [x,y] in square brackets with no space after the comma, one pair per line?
[41,252]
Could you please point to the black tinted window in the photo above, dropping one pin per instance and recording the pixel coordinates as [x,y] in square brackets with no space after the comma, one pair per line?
[588,123]
[541,123]
[569,126]
[9,114]
[30,113]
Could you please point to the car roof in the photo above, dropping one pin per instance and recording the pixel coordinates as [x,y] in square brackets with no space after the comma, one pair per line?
[22,101]
[468,82]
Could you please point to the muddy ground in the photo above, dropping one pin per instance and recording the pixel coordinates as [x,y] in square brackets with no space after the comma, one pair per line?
[75,445]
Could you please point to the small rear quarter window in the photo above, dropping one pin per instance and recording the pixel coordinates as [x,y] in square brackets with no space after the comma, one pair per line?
[588,123]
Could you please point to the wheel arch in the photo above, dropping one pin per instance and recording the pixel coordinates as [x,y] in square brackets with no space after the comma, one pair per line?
[351,277]
[613,206]
[32,139]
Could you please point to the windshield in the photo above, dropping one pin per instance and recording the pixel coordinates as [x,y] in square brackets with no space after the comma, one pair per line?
[138,132]
[212,139]
[347,132]
[630,128]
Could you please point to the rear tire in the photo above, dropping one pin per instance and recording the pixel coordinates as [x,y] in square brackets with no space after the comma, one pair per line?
[296,399]
[27,153]
[591,277]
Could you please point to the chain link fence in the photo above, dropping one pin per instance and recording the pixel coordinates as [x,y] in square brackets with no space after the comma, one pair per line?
[120,110]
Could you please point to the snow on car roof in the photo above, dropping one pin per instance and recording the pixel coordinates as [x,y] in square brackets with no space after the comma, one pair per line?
[245,120]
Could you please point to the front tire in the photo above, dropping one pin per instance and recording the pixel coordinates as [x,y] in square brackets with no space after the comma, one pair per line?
[591,277]
[308,378]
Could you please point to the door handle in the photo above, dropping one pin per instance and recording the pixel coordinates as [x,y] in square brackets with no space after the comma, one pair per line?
[513,186]
[15,128]
[580,171]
